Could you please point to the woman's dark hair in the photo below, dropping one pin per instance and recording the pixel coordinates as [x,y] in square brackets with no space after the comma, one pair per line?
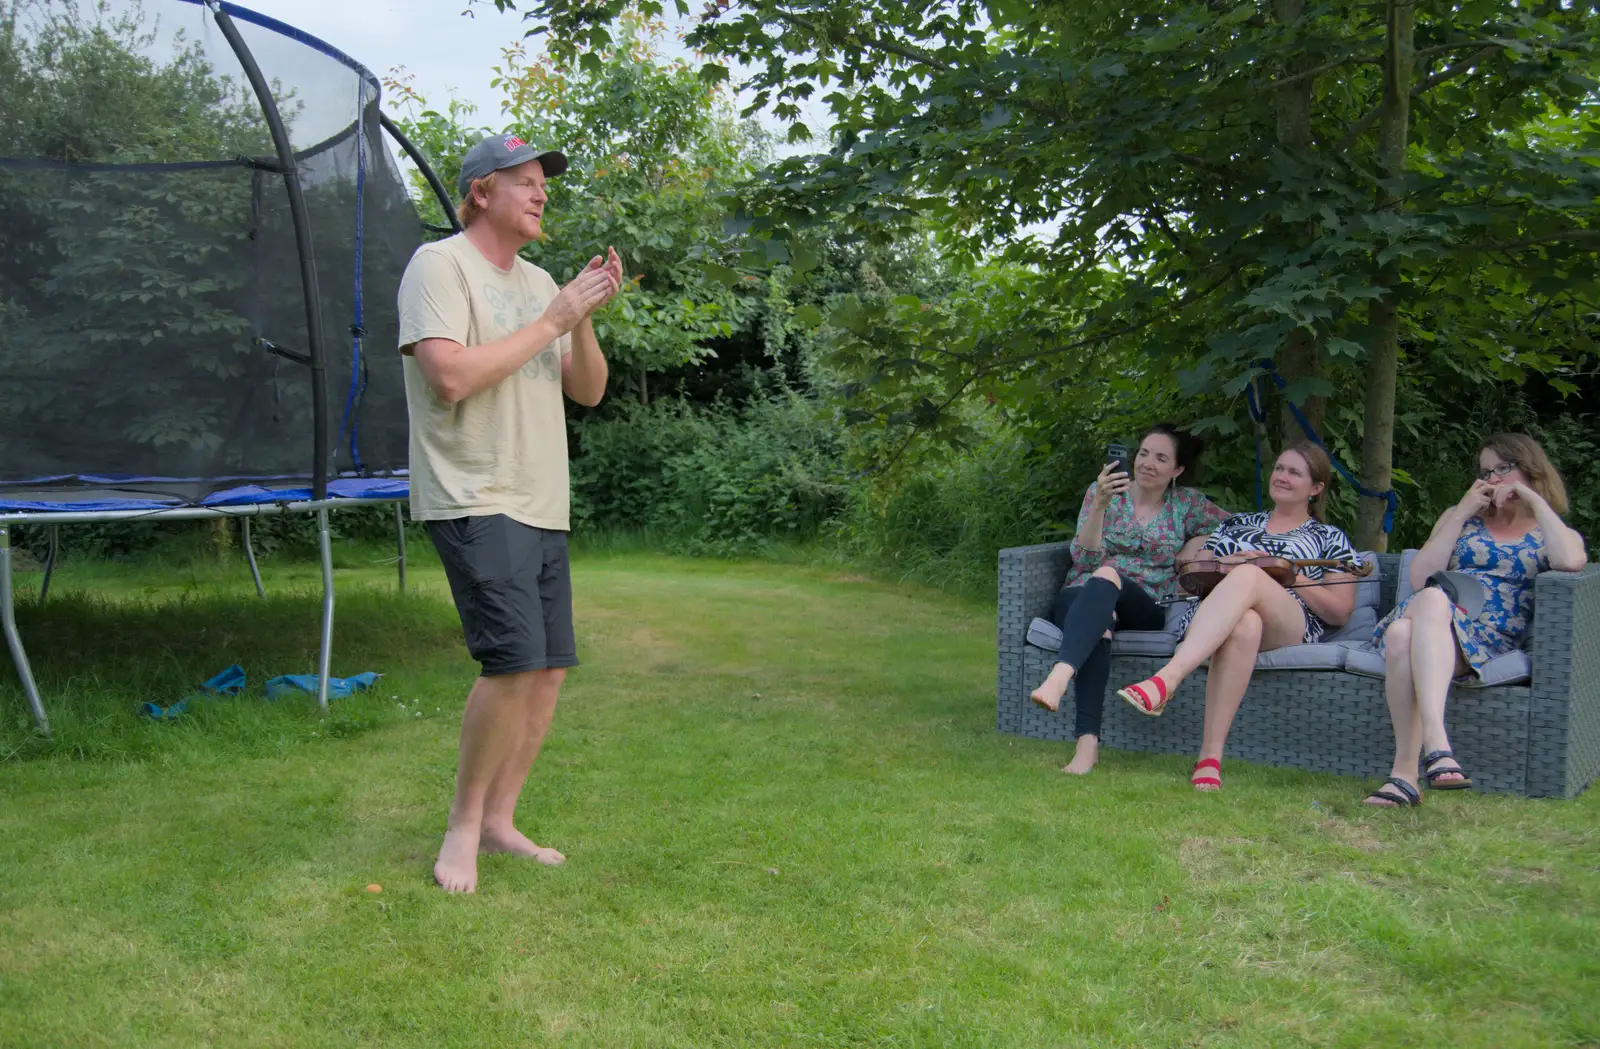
[1188,445]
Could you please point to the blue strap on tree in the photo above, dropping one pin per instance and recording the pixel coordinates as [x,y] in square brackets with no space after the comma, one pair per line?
[1391,499]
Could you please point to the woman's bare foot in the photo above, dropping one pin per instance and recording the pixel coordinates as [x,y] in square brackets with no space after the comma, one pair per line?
[515,842]
[1084,757]
[1048,694]
[456,869]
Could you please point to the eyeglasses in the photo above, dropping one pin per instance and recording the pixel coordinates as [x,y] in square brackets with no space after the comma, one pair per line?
[1496,471]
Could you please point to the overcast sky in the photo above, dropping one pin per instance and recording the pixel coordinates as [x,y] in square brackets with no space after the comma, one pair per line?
[446,51]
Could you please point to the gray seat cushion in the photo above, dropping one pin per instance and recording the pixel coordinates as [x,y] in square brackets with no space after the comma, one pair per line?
[1044,634]
[1369,591]
[1359,628]
[1144,643]
[1304,657]
[1403,588]
[1513,668]
[1362,657]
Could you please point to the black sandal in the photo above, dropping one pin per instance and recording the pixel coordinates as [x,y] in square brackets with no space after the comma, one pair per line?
[1406,799]
[1433,774]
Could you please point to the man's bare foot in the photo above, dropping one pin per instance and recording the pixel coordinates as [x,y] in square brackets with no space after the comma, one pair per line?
[515,842]
[1084,757]
[456,869]
[1048,694]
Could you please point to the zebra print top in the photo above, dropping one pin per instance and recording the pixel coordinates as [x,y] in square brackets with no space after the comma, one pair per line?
[1312,541]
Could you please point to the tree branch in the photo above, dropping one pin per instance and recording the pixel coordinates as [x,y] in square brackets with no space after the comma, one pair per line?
[1315,71]
[1579,236]
[1454,71]
[1360,127]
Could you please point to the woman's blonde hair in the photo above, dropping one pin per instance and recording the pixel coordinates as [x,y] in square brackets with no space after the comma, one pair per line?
[1321,468]
[1527,455]
[469,208]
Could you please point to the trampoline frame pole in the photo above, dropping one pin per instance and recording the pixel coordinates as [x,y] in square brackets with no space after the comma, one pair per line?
[400,542]
[250,555]
[302,237]
[8,620]
[325,656]
[422,165]
[50,562]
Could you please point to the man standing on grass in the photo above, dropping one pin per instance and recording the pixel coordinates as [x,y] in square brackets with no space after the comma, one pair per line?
[490,346]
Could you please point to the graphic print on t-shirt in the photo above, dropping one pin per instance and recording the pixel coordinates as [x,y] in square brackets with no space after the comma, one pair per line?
[512,313]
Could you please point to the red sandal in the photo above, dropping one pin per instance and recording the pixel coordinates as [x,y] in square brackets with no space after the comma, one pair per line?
[1141,700]
[1207,782]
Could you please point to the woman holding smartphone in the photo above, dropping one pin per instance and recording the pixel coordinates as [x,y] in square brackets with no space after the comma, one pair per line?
[1124,563]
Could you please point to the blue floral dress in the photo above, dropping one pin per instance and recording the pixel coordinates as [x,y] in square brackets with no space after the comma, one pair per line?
[1507,571]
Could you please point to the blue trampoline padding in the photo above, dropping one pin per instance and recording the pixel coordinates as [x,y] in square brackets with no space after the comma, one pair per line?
[244,495]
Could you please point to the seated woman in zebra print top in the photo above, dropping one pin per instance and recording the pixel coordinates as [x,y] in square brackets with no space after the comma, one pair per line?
[1249,612]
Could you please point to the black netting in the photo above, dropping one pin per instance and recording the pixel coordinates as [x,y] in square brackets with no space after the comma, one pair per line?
[148,260]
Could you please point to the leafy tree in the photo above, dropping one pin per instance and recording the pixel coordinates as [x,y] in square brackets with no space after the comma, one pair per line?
[652,148]
[1350,190]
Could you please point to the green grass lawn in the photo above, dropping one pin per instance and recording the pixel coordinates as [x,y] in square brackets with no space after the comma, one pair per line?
[788,820]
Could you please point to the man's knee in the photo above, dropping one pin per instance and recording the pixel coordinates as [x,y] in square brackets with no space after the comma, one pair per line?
[1109,574]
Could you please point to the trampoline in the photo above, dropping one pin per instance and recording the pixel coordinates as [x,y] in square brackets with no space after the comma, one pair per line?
[197,205]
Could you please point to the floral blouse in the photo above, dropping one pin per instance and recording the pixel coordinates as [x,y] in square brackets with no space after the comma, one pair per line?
[1145,553]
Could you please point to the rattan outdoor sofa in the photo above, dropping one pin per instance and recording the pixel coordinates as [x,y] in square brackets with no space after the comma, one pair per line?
[1532,727]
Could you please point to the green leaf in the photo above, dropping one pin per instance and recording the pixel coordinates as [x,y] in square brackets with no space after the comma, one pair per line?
[808,316]
[719,273]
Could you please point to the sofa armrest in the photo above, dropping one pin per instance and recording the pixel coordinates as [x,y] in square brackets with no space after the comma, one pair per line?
[1030,576]
[1564,714]
[1029,579]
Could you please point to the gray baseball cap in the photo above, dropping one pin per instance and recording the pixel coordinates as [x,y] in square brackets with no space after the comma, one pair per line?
[505,151]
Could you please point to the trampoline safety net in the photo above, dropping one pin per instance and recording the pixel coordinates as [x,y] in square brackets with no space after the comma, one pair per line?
[153,318]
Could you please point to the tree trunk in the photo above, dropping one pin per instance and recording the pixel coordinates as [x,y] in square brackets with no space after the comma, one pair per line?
[644,386]
[1383,353]
[1300,357]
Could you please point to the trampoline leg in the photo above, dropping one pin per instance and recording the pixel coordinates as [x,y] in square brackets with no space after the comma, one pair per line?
[400,542]
[50,562]
[325,658]
[8,621]
[250,554]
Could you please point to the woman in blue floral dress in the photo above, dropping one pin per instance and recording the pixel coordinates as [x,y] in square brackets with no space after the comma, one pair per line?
[1124,555]
[1504,532]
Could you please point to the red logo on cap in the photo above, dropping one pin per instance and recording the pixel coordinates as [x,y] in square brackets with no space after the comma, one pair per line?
[513,143]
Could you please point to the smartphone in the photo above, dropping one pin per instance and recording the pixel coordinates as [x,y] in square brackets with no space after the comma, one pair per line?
[1118,453]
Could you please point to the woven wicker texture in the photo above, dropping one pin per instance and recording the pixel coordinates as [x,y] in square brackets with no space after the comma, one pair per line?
[1541,739]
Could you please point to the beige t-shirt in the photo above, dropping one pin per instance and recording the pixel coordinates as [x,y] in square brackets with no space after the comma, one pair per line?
[502,450]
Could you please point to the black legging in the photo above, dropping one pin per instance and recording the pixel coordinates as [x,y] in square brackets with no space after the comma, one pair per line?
[1084,614]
